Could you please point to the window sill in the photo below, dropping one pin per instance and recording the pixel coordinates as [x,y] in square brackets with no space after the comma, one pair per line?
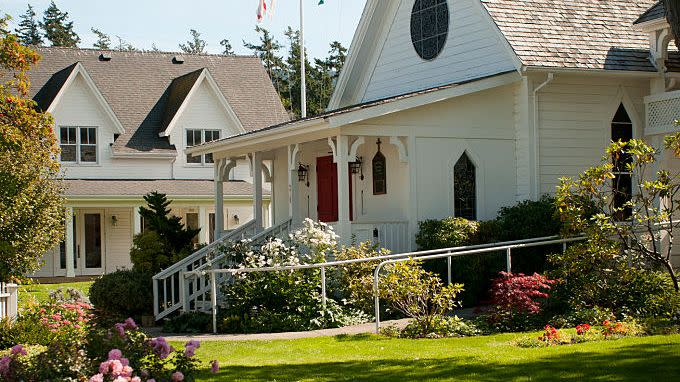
[74,164]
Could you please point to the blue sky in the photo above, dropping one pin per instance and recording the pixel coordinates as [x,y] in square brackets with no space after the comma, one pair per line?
[167,22]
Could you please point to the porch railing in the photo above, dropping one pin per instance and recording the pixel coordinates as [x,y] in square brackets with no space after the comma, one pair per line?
[390,235]
[662,112]
[197,289]
[167,291]
[9,302]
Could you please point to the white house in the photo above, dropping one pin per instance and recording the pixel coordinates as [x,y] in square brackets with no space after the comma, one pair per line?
[460,107]
[123,121]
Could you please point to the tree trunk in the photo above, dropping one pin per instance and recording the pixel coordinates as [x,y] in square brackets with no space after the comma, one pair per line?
[674,277]
[673,17]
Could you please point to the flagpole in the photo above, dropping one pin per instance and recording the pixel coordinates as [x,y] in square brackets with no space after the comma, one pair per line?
[303,75]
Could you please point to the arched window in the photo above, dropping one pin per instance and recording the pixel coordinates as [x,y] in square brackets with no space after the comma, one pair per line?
[465,188]
[622,130]
[379,173]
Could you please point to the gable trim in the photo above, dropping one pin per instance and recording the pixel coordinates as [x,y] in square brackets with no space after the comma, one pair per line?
[79,69]
[204,76]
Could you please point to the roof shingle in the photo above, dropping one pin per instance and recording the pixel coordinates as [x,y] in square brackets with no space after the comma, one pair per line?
[575,34]
[141,87]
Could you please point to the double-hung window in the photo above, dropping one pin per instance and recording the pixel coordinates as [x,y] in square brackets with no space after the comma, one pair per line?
[78,144]
[197,137]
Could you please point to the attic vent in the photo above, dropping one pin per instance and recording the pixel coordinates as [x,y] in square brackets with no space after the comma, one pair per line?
[105,57]
[178,60]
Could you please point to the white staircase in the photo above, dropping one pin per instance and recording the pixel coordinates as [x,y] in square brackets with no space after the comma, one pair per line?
[172,291]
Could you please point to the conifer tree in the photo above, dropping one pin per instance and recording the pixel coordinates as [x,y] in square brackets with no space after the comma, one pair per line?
[58,30]
[28,31]
[268,52]
[194,46]
[157,218]
[226,48]
[673,17]
[103,40]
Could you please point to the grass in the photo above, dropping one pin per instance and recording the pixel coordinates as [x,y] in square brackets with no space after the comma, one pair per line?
[489,358]
[40,292]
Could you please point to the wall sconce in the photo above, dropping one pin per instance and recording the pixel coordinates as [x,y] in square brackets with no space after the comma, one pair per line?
[357,166]
[303,173]
[236,219]
[114,220]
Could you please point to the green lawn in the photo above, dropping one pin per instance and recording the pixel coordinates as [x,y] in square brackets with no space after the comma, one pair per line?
[491,358]
[39,292]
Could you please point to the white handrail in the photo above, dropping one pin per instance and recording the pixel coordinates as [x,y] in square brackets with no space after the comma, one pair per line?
[421,255]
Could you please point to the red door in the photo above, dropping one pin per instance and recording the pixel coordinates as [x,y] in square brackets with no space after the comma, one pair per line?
[327,190]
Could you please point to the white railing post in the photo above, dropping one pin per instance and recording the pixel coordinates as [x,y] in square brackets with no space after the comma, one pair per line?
[508,260]
[323,287]
[448,264]
[213,301]
[13,290]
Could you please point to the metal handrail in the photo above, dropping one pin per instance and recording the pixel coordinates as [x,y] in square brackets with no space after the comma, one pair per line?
[421,255]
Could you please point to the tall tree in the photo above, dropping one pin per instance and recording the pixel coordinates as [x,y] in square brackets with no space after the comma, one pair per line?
[103,40]
[32,216]
[268,52]
[196,45]
[28,31]
[58,30]
[227,49]
[673,17]
[294,76]
[326,74]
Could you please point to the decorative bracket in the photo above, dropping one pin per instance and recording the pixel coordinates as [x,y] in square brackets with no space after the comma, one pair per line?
[355,147]
[403,154]
[333,145]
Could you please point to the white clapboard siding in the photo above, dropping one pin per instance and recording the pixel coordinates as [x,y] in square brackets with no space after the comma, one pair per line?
[203,111]
[118,238]
[474,49]
[574,122]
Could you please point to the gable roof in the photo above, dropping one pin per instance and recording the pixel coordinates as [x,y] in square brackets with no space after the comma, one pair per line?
[575,34]
[656,12]
[177,93]
[137,86]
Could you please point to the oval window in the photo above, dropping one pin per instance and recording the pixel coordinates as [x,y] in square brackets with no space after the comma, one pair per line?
[429,27]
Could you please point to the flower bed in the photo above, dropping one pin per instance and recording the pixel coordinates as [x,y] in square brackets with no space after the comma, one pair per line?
[583,333]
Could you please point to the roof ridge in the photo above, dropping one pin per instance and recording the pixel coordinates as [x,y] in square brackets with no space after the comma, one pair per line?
[144,52]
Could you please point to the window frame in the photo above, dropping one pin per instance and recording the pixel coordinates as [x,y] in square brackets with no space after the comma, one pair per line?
[476,186]
[78,145]
[617,171]
[204,158]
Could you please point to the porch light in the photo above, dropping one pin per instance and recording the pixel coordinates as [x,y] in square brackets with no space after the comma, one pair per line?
[303,171]
[356,165]
[236,219]
[114,220]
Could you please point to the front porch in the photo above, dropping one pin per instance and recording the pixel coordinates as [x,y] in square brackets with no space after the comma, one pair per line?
[359,184]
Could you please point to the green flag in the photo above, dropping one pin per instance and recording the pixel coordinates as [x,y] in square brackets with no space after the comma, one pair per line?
[321,2]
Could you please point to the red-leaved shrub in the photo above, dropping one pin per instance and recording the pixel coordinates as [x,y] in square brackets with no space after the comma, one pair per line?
[517,297]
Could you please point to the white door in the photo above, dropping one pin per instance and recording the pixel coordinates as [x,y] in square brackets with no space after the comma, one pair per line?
[90,248]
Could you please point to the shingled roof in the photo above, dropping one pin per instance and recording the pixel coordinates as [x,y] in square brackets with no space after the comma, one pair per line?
[575,34]
[143,88]
[656,12]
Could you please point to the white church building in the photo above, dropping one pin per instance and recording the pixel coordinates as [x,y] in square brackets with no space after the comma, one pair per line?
[460,107]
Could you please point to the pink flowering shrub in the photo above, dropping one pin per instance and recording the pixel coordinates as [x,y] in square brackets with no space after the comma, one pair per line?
[517,300]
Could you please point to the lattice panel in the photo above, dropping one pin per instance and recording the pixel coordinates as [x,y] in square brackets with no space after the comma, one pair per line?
[663,114]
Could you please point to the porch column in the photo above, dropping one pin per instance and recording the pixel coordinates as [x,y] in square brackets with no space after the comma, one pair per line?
[70,269]
[136,221]
[204,225]
[257,183]
[219,202]
[293,185]
[344,225]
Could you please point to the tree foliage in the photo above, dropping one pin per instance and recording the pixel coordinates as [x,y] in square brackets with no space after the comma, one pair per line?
[286,75]
[194,46]
[28,31]
[31,205]
[227,49]
[644,225]
[103,40]
[58,30]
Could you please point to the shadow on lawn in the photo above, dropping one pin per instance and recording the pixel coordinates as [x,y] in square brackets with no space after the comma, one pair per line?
[630,363]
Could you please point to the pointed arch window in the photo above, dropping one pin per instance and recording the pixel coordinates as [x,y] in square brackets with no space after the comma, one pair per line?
[465,188]
[622,130]
[379,166]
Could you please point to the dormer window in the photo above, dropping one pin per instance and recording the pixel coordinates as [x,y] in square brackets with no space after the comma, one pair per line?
[197,137]
[78,144]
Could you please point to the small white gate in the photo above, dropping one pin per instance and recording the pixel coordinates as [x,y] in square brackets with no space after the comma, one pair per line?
[8,300]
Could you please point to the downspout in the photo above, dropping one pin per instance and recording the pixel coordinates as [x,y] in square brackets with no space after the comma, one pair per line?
[537,185]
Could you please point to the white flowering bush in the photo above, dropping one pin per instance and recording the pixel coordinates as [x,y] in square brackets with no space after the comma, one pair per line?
[286,300]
